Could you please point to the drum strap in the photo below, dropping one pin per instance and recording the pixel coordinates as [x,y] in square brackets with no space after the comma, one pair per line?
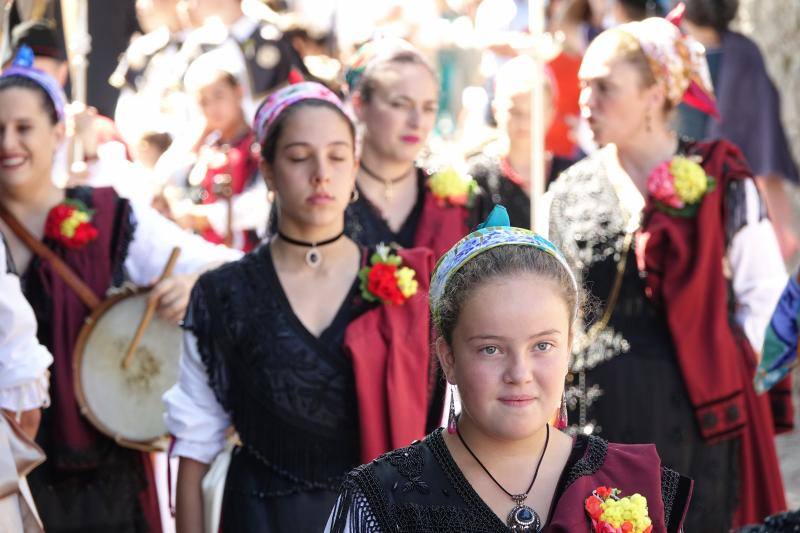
[63,270]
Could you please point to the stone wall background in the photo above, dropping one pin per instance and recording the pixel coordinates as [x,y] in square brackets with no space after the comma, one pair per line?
[775,26]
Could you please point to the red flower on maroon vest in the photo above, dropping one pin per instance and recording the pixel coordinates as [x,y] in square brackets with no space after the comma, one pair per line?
[69,224]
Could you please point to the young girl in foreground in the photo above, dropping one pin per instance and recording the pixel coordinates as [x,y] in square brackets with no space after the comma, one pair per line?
[504,303]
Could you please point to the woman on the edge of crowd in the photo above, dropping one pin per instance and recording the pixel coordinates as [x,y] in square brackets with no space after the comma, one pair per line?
[504,303]
[24,378]
[315,349]
[672,238]
[24,392]
[503,170]
[395,94]
[88,482]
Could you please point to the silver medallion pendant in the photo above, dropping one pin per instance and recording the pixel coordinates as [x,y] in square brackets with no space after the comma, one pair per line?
[523,518]
[313,257]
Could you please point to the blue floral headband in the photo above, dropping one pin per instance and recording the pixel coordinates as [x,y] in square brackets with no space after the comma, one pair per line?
[23,67]
[495,231]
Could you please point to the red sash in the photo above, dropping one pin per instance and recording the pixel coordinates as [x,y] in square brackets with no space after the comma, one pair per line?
[440,227]
[683,259]
[390,349]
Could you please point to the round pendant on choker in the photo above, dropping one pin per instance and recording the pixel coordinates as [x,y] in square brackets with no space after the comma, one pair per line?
[313,256]
[524,519]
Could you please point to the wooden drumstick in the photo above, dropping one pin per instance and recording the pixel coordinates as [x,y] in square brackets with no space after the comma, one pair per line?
[149,310]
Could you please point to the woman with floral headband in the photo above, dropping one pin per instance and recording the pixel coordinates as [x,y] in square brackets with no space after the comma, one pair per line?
[314,349]
[504,304]
[672,238]
[89,482]
[395,94]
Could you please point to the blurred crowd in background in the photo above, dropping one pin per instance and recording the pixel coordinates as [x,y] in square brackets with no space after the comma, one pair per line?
[172,86]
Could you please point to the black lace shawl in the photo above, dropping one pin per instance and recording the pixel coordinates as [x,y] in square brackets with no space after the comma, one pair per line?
[421,489]
[366,226]
[291,395]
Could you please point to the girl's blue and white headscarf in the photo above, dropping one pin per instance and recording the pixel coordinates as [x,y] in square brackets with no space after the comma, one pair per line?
[495,231]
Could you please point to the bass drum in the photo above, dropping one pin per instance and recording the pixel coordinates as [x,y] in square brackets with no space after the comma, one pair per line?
[126,404]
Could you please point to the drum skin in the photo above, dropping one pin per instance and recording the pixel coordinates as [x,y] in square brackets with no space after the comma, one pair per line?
[126,404]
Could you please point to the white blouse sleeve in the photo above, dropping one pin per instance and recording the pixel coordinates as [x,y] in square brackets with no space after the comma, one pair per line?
[23,361]
[154,238]
[250,210]
[194,416]
[757,269]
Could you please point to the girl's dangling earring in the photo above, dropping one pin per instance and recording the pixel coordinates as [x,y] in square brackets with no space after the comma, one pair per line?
[452,419]
[562,417]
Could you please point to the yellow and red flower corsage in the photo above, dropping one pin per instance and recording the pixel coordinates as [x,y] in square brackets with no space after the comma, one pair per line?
[679,185]
[385,279]
[451,187]
[611,513]
[68,223]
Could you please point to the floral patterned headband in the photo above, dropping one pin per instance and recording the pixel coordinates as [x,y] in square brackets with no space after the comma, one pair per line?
[277,102]
[368,54]
[495,231]
[676,59]
[23,67]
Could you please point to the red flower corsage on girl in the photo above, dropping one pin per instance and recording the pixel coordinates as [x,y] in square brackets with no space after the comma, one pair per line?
[385,279]
[68,223]
[611,513]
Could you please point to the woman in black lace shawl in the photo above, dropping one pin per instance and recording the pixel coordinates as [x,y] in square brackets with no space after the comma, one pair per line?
[395,96]
[277,344]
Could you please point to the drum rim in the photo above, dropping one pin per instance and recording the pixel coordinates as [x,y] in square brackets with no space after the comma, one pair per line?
[156,444]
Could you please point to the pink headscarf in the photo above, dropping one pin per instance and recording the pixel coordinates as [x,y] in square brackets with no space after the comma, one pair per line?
[277,102]
[676,59]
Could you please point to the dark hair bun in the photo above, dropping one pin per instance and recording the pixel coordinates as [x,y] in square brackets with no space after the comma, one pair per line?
[716,14]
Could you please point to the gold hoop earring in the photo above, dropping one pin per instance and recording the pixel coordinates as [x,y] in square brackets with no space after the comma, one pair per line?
[355,195]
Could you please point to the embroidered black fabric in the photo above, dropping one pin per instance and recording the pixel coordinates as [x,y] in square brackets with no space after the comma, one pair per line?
[366,226]
[779,523]
[291,395]
[421,489]
[633,357]
[676,490]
